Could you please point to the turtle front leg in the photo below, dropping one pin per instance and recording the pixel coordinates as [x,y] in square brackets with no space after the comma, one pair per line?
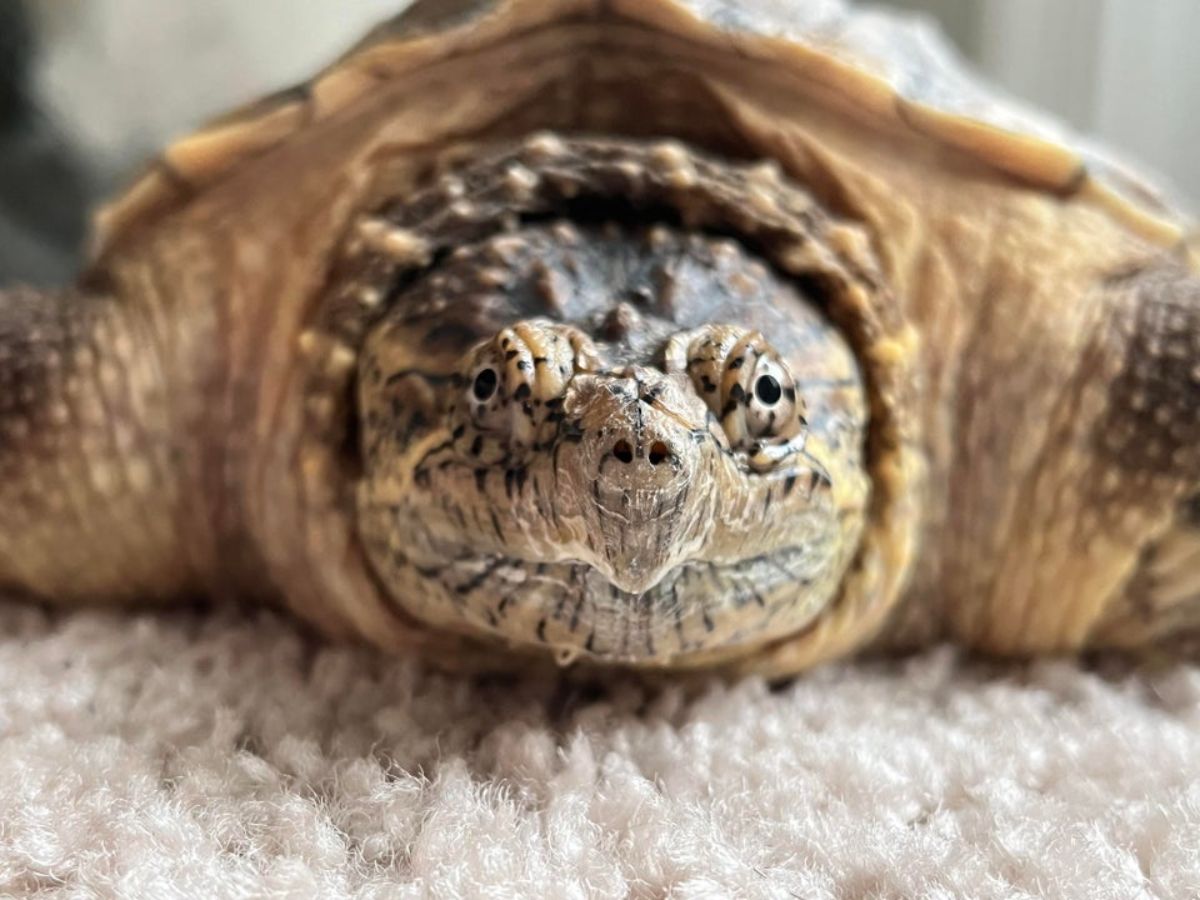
[1152,436]
[90,498]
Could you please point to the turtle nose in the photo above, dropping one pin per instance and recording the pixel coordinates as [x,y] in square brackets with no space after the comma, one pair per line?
[640,453]
[643,466]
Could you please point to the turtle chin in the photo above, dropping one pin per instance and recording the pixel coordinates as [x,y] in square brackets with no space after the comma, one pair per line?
[633,578]
[577,610]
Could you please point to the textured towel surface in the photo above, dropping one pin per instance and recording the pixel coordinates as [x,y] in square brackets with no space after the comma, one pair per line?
[213,755]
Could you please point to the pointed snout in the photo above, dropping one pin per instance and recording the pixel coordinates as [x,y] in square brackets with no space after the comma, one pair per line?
[641,458]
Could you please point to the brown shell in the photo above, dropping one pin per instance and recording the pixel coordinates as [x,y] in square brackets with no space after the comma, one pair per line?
[870,63]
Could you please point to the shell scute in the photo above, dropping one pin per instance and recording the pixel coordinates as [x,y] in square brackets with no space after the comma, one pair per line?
[879,65]
[897,66]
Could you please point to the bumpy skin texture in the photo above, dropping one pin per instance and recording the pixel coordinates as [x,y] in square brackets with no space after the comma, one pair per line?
[1026,347]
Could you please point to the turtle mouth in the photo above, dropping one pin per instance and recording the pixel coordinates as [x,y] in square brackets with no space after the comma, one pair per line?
[575,608]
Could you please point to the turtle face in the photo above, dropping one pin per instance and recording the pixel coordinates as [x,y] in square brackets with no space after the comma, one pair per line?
[583,439]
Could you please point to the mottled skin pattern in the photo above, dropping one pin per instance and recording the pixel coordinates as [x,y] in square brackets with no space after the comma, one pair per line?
[260,387]
[608,474]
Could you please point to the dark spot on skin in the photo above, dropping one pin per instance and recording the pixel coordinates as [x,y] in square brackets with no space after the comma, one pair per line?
[522,366]
[737,394]
[737,363]
[511,354]
[651,396]
[789,485]
[459,432]
[481,479]
[510,482]
[618,391]
[477,445]
[522,393]
[709,387]
[478,581]
[541,630]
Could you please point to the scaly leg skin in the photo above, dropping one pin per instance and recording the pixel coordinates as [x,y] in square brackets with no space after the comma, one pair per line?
[1153,434]
[90,499]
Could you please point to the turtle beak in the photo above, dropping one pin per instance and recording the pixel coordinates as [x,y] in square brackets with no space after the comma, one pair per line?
[648,506]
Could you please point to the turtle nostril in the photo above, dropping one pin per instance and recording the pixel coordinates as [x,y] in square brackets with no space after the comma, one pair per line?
[659,453]
[623,452]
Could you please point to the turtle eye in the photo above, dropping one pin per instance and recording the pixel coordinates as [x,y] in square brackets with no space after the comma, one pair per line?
[485,385]
[767,390]
[512,389]
[747,386]
[770,410]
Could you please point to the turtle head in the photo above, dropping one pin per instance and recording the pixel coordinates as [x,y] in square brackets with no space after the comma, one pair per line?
[581,437]
[626,402]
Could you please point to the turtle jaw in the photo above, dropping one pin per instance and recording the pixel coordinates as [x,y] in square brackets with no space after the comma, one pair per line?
[649,537]
[618,569]
[639,536]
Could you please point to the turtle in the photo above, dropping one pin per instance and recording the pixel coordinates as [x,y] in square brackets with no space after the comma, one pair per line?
[671,336]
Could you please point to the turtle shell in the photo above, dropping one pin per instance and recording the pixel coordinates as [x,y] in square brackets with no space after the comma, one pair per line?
[880,67]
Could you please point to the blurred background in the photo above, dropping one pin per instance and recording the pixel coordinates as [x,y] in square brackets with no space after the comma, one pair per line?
[89,88]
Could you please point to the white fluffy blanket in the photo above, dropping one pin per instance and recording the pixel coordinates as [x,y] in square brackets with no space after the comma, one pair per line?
[215,755]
